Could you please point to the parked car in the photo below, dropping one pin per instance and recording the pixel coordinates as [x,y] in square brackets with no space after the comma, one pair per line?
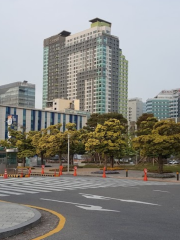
[173,162]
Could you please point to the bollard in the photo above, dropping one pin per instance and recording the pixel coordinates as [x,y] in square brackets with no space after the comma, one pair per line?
[177,176]
[126,173]
[75,168]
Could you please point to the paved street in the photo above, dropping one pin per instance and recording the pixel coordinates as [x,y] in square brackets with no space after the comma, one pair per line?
[97,208]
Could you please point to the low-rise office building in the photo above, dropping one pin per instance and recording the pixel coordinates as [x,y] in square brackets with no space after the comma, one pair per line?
[165,105]
[19,94]
[31,119]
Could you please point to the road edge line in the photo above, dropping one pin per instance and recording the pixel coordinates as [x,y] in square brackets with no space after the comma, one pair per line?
[57,229]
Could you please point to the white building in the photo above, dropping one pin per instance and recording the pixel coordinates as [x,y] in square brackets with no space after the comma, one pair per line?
[135,109]
[32,119]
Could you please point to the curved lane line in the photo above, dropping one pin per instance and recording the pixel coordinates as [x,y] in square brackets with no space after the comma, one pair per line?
[59,227]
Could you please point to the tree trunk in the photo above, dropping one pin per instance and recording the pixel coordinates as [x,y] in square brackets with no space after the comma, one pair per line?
[112,161]
[99,158]
[105,162]
[160,162]
[24,161]
[60,161]
[42,158]
[71,159]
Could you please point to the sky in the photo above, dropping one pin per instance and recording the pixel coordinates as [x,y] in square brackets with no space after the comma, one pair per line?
[149,33]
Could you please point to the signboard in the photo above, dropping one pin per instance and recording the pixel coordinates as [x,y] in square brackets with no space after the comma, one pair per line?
[12,122]
[9,121]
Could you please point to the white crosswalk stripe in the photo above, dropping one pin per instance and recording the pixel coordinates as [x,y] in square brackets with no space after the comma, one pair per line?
[33,185]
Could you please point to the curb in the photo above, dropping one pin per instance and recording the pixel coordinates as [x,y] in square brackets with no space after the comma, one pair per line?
[13,175]
[43,175]
[8,232]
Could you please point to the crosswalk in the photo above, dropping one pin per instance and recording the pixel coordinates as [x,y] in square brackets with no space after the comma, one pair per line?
[33,185]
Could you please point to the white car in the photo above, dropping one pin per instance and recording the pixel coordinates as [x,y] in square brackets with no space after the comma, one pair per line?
[173,162]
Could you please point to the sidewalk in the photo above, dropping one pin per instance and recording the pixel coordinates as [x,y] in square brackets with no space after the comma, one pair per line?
[15,219]
[132,174]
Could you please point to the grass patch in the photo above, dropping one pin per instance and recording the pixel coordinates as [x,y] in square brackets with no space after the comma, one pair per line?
[151,168]
[139,167]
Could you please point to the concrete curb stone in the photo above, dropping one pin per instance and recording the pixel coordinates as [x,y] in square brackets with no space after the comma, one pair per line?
[15,219]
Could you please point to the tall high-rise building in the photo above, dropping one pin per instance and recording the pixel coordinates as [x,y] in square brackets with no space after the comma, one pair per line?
[18,94]
[123,84]
[88,66]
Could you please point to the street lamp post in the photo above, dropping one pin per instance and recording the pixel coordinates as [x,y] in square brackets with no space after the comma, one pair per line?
[68,154]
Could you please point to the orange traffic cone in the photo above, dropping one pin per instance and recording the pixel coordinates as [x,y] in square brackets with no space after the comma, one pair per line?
[29,172]
[75,174]
[145,177]
[21,173]
[5,174]
[61,170]
[42,170]
[104,172]
[145,174]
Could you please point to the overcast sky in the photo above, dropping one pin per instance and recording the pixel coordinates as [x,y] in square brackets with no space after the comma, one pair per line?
[149,33]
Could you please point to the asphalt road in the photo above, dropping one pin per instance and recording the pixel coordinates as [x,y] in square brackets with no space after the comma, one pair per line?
[103,209]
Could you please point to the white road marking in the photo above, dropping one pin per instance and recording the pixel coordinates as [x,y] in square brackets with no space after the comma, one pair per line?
[80,205]
[160,191]
[15,189]
[109,198]
[96,208]
[58,184]
[13,193]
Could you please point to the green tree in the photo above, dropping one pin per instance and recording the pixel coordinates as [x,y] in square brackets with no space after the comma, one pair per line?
[42,141]
[107,140]
[96,119]
[161,142]
[146,126]
[22,141]
[143,117]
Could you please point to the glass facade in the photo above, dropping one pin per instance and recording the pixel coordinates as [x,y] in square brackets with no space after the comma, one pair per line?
[159,107]
[20,94]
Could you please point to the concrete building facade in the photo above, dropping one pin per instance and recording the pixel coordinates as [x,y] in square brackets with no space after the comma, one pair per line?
[123,84]
[36,119]
[19,94]
[85,66]
[135,109]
